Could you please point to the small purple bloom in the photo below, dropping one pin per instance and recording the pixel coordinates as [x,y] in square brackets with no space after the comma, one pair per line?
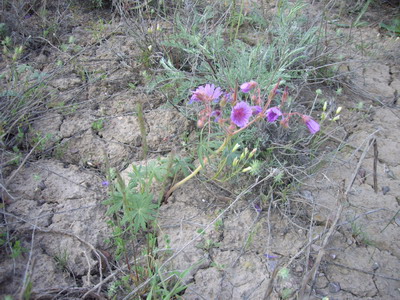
[273,114]
[257,207]
[256,110]
[312,126]
[105,183]
[241,114]
[206,93]
[228,97]
[217,114]
[247,86]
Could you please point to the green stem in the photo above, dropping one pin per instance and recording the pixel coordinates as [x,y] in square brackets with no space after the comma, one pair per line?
[197,170]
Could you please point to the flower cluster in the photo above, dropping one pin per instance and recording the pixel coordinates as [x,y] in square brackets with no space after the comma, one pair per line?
[242,113]
[234,114]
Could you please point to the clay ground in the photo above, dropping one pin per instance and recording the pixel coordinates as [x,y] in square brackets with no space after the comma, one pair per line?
[53,203]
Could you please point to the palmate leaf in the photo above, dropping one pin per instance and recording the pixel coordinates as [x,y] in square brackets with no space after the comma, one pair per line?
[115,202]
[141,210]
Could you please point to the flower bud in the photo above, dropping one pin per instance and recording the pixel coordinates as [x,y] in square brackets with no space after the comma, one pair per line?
[339,109]
[336,118]
[242,156]
[325,106]
[248,169]
[235,147]
[252,152]
[285,95]
[200,123]
[235,162]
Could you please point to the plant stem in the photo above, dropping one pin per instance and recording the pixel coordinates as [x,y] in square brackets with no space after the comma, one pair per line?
[197,170]
[142,126]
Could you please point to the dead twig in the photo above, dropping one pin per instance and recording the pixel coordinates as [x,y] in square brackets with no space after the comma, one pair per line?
[375,166]
[311,274]
[343,198]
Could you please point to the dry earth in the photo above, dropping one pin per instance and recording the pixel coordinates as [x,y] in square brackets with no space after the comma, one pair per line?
[54,203]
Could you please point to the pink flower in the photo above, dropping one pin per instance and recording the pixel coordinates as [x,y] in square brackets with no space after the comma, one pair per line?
[273,114]
[312,126]
[241,114]
[256,110]
[247,86]
[206,93]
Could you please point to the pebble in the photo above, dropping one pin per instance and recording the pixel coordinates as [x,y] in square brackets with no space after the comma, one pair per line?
[385,190]
[299,269]
[334,287]
[375,266]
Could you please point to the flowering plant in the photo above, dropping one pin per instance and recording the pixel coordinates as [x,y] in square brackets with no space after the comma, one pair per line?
[234,115]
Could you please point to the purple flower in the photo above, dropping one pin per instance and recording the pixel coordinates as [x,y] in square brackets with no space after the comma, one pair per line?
[273,114]
[247,86]
[257,207]
[312,126]
[105,183]
[241,114]
[206,93]
[228,97]
[217,114]
[256,110]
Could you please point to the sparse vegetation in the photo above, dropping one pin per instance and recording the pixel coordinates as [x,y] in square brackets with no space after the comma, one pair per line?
[224,111]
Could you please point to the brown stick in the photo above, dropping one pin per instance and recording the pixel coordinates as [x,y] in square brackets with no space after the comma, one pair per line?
[311,274]
[375,166]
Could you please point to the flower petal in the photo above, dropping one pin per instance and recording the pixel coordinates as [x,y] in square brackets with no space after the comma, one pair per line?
[241,114]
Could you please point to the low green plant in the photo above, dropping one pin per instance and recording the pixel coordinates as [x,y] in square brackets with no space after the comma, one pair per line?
[218,266]
[98,125]
[361,237]
[208,244]
[208,57]
[228,120]
[167,286]
[393,27]
[134,207]
[17,249]
[61,260]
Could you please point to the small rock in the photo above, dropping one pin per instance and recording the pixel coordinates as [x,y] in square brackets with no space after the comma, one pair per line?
[333,256]
[334,287]
[385,189]
[299,269]
[375,266]
[42,185]
[319,219]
